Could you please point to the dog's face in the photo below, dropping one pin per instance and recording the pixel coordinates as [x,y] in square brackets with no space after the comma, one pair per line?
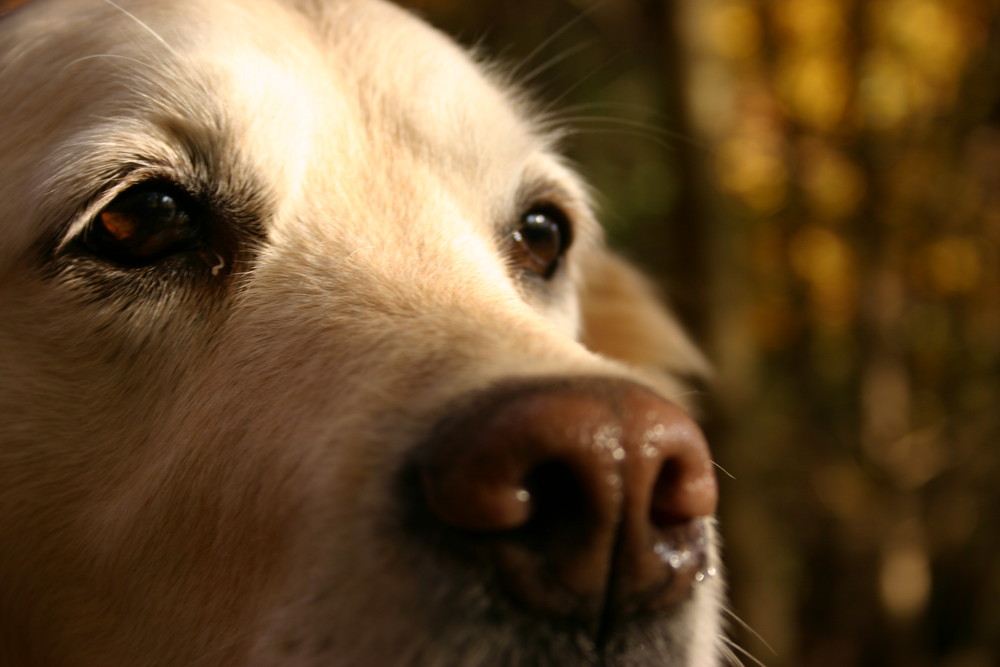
[311,354]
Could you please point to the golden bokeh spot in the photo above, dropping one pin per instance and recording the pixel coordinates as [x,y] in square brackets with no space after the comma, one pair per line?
[827,264]
[905,574]
[755,170]
[819,256]
[884,97]
[930,35]
[733,30]
[833,185]
[815,88]
[952,265]
[814,23]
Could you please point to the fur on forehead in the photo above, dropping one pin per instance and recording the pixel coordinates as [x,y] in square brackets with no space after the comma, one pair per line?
[322,90]
[321,94]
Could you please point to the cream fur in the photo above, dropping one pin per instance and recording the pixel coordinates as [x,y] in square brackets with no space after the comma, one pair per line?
[193,468]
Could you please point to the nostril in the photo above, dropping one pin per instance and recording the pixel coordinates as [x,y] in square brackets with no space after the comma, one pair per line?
[585,493]
[685,489]
[556,495]
[662,511]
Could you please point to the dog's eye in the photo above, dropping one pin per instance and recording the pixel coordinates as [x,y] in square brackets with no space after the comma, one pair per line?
[541,239]
[142,225]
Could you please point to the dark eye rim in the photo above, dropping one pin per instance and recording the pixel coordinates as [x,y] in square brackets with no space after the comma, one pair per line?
[95,241]
[563,222]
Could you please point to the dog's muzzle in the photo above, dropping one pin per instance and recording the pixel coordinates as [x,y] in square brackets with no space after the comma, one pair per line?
[589,496]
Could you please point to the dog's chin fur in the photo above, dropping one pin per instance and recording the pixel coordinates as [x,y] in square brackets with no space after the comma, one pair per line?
[200,459]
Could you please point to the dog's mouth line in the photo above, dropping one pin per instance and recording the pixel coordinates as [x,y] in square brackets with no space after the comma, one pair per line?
[607,613]
[680,558]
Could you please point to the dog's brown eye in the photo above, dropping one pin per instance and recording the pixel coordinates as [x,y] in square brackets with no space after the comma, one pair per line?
[541,240]
[141,226]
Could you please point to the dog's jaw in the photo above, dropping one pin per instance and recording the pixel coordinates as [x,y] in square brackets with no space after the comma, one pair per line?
[232,505]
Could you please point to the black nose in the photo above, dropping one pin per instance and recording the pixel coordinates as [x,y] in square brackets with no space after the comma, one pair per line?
[586,492]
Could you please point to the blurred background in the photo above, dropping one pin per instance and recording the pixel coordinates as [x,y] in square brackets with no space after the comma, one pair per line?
[816,185]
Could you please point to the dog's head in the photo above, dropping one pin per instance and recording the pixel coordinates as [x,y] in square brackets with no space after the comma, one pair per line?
[311,354]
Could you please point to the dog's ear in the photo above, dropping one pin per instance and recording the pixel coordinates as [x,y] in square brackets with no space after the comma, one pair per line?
[624,319]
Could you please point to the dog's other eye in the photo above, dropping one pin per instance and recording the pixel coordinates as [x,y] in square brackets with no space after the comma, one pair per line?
[142,225]
[541,239]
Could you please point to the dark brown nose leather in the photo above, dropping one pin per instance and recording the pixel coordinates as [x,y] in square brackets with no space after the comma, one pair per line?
[587,492]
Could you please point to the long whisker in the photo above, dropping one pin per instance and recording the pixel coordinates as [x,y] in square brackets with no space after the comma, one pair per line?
[555,60]
[145,26]
[746,626]
[652,131]
[730,656]
[730,476]
[736,648]
[579,82]
[548,41]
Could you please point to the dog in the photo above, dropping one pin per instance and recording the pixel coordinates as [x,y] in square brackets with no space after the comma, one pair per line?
[312,354]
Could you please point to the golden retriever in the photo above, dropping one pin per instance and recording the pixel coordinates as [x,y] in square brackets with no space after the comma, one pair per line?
[311,354]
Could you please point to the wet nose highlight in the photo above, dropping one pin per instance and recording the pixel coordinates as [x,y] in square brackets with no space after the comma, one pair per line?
[579,488]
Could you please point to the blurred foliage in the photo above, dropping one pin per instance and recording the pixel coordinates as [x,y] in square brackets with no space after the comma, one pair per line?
[817,182]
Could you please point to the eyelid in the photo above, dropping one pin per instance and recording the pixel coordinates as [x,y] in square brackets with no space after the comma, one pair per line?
[143,225]
[107,193]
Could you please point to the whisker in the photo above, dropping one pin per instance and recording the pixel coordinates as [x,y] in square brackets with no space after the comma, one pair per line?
[730,476]
[746,626]
[742,651]
[624,132]
[548,41]
[555,60]
[579,82]
[143,25]
[614,106]
[654,131]
[730,656]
